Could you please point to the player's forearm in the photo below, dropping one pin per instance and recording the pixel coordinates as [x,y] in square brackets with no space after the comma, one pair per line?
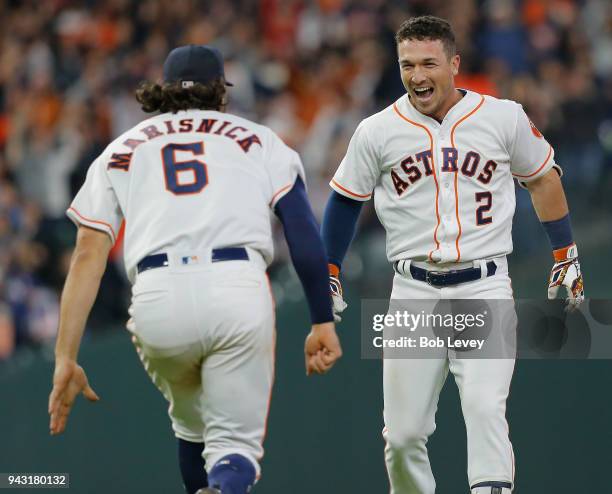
[80,290]
[548,197]
[307,251]
[309,260]
[551,207]
[339,225]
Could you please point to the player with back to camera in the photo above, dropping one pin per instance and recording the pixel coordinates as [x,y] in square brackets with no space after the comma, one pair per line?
[440,162]
[195,186]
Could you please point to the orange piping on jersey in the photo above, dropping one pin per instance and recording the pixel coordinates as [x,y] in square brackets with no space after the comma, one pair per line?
[280,191]
[115,252]
[452,136]
[433,167]
[360,196]
[114,236]
[541,166]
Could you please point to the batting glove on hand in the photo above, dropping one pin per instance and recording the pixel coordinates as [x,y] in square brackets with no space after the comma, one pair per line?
[335,287]
[566,272]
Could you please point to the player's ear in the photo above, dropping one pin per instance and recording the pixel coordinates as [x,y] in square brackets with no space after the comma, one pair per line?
[455,62]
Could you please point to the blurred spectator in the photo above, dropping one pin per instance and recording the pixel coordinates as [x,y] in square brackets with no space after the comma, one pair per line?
[309,69]
[7,332]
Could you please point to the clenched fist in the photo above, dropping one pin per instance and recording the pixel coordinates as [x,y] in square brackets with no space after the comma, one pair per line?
[322,348]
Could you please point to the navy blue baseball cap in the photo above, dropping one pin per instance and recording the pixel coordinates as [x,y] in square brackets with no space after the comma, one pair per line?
[194,63]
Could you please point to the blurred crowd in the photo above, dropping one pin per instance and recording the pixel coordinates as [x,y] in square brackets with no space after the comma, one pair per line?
[310,69]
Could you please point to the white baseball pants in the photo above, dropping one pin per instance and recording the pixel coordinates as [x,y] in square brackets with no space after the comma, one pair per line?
[205,334]
[412,387]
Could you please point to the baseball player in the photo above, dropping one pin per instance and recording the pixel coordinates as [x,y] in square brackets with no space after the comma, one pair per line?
[440,162]
[195,186]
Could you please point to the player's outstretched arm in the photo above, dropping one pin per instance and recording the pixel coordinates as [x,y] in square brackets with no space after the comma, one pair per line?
[322,347]
[551,207]
[80,290]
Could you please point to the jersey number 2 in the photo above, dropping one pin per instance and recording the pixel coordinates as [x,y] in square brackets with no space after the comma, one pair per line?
[487,197]
[173,168]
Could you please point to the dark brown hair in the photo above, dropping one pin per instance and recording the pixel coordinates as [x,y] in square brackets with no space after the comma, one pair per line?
[172,97]
[428,27]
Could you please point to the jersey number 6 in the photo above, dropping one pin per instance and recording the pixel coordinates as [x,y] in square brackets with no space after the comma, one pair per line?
[487,197]
[173,168]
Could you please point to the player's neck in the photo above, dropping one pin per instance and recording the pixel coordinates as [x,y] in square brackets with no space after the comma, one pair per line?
[451,101]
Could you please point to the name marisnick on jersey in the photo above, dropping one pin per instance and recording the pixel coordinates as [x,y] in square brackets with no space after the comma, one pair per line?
[242,136]
[414,167]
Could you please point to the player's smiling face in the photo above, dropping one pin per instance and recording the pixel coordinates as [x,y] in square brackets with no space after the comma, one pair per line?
[428,75]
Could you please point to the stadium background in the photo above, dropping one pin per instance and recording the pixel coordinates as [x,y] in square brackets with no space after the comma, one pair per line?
[310,70]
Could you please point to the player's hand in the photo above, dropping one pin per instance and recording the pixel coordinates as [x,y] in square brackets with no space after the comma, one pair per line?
[335,287]
[566,272]
[322,348]
[69,380]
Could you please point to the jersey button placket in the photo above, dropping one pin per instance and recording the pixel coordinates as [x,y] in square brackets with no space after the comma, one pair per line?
[441,228]
[447,199]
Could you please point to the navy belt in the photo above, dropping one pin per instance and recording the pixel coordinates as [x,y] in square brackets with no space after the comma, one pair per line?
[447,278]
[218,255]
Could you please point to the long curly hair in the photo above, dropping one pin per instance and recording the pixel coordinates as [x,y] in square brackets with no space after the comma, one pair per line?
[172,97]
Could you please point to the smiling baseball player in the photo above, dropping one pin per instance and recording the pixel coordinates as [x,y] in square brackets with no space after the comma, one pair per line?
[195,186]
[440,164]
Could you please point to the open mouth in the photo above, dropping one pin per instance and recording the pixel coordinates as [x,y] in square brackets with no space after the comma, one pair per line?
[423,93]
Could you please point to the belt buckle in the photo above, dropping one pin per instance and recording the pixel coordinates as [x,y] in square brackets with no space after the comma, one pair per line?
[440,275]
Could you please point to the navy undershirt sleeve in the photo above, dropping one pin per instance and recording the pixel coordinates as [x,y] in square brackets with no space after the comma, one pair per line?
[339,226]
[307,251]
[559,232]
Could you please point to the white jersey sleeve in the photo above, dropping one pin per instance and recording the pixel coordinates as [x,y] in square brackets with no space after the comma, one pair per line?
[359,171]
[531,156]
[284,166]
[96,204]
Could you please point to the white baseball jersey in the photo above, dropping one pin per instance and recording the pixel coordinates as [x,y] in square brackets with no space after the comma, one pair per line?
[444,191]
[189,181]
